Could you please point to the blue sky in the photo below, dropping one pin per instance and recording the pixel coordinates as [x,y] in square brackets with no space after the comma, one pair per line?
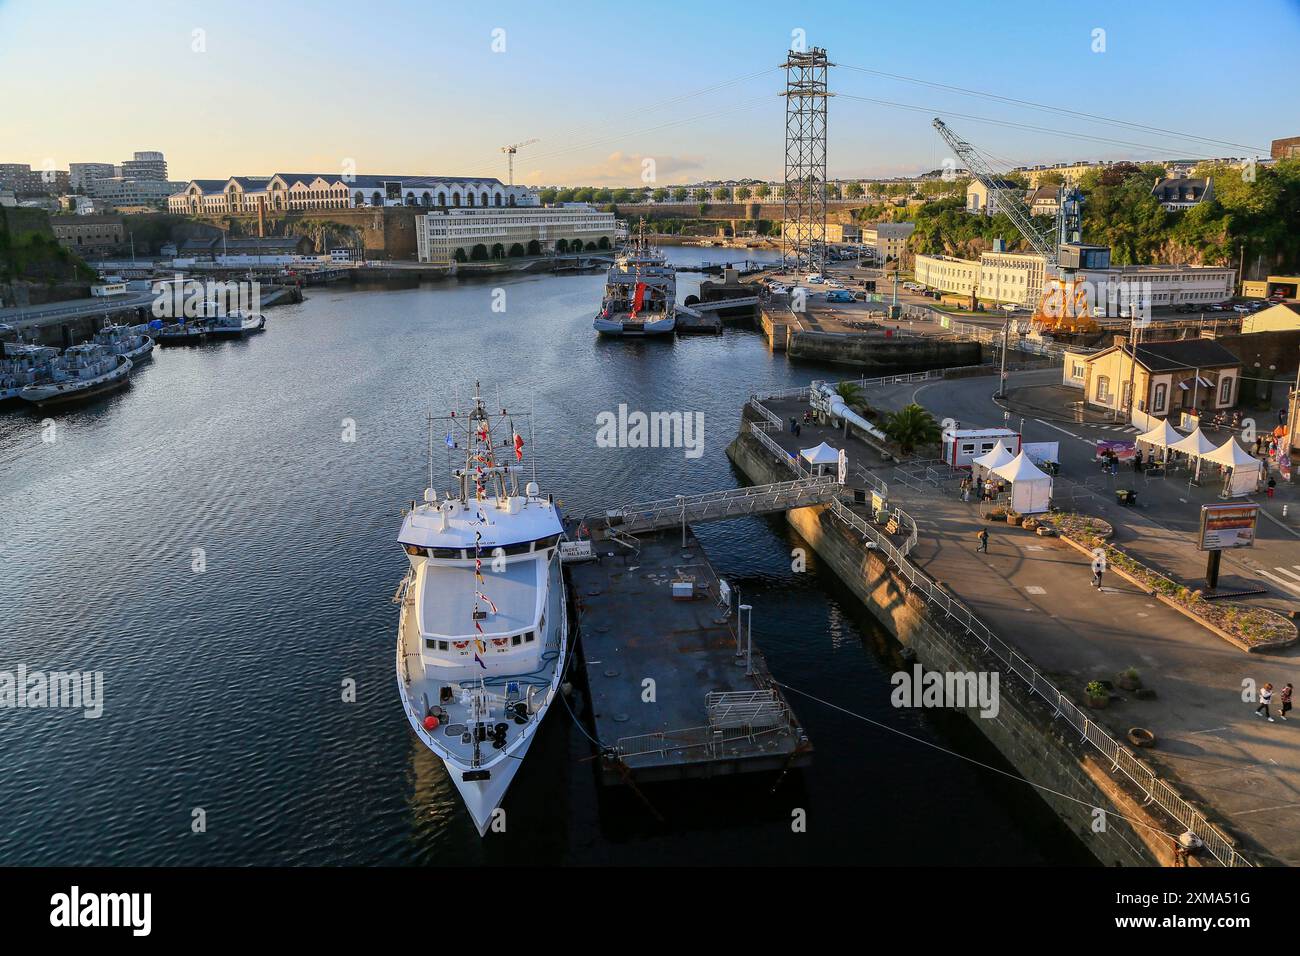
[243,87]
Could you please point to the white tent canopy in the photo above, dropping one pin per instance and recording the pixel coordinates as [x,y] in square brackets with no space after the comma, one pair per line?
[1162,436]
[1243,479]
[1031,488]
[1195,445]
[1232,455]
[823,454]
[992,460]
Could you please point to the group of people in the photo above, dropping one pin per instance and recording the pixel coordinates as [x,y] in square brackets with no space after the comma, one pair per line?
[988,489]
[1266,699]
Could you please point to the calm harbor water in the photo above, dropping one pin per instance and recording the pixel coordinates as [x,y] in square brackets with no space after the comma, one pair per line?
[223,688]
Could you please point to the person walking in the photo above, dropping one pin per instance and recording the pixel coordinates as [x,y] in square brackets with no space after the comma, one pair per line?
[1137,461]
[1285,697]
[1097,571]
[1265,698]
[983,538]
[1272,483]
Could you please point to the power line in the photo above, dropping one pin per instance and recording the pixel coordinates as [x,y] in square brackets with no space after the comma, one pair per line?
[748,105]
[1009,123]
[649,108]
[1091,117]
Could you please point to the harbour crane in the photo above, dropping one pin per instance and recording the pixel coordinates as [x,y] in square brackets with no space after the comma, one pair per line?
[1063,301]
[510,152]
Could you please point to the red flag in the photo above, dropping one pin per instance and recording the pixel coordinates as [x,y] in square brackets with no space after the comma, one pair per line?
[519,447]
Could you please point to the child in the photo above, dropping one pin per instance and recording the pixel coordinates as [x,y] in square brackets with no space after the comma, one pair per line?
[1265,698]
[1286,700]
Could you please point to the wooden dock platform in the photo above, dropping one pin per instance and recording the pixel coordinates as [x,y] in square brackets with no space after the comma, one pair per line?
[670,696]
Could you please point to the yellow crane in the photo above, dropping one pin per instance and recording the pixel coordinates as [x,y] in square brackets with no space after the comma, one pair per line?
[510,152]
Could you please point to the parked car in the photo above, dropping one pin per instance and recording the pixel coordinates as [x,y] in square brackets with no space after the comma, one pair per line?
[839,295]
[1241,307]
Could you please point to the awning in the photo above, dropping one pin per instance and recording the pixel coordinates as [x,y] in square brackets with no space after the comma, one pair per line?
[823,454]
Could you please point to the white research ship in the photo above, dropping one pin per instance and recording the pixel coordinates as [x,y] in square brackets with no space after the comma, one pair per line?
[483,634]
[640,293]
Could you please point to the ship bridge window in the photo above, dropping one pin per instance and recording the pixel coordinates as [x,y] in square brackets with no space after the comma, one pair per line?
[516,640]
[544,543]
[523,547]
[530,637]
[447,553]
[413,549]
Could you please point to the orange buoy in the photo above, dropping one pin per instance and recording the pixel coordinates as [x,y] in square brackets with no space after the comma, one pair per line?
[431,722]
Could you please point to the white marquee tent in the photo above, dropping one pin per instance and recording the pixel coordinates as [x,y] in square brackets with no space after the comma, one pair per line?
[1162,436]
[1195,445]
[991,460]
[1031,488]
[823,454]
[1245,468]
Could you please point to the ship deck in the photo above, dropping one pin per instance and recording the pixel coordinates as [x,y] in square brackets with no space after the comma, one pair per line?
[633,630]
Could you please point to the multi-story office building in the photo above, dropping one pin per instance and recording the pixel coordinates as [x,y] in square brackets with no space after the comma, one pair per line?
[468,235]
[81,175]
[124,191]
[150,165]
[22,180]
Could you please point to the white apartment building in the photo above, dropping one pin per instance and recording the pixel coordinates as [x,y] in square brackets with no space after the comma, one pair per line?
[474,235]
[1019,278]
[948,274]
[125,191]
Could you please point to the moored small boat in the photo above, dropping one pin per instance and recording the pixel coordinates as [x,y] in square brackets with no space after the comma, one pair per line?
[81,372]
[235,325]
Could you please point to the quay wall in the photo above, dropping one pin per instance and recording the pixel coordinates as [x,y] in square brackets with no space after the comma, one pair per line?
[1041,750]
[865,351]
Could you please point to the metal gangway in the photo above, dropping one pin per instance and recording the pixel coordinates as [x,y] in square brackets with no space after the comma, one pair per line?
[715,505]
[723,304]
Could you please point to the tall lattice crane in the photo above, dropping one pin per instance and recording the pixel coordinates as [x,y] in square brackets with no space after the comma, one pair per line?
[1062,304]
[510,152]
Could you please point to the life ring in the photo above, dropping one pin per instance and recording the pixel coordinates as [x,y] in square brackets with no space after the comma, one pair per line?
[500,641]
[460,645]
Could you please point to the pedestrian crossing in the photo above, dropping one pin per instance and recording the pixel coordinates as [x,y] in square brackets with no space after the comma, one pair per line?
[1128,429]
[1286,577]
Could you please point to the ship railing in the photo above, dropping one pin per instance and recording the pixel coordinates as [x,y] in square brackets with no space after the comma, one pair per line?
[707,738]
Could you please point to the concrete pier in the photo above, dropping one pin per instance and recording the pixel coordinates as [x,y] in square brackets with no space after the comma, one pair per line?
[670,696]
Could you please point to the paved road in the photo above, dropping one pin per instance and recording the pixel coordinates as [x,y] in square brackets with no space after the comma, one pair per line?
[1162,527]
[1037,594]
[22,316]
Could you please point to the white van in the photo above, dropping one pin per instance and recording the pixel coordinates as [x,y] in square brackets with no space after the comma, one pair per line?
[814,278]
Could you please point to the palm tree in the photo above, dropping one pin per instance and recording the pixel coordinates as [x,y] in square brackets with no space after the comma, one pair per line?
[912,426]
[851,392]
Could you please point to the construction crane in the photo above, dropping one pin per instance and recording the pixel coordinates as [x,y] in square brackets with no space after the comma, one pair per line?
[510,152]
[1063,302]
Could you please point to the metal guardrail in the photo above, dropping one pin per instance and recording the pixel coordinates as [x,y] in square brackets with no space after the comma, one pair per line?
[752,499]
[1121,758]
[753,709]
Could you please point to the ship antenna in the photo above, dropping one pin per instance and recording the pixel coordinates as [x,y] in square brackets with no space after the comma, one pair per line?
[431,450]
[531,441]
